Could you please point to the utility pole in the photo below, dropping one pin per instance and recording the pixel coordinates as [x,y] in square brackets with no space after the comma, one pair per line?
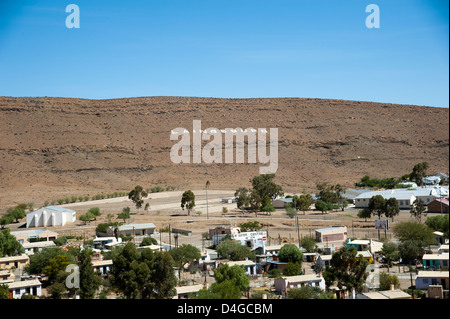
[207,213]
[170,243]
[296,221]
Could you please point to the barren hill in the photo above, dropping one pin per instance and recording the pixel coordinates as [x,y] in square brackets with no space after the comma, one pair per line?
[55,147]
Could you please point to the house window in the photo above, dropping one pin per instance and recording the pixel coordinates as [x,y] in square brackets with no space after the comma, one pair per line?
[425,281]
[401,203]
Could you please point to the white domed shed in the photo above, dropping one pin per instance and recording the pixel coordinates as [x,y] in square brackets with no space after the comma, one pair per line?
[50,216]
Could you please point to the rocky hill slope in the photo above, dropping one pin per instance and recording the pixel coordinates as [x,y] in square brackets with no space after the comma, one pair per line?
[55,147]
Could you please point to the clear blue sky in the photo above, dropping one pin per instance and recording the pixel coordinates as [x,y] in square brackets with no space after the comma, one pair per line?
[232,48]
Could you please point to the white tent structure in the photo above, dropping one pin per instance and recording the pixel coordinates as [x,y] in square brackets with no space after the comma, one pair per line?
[50,216]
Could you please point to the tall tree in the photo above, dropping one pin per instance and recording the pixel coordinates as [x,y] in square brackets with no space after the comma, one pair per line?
[392,209]
[264,186]
[418,209]
[137,195]
[419,172]
[184,254]
[377,205]
[242,195]
[125,214]
[89,281]
[9,246]
[188,201]
[347,269]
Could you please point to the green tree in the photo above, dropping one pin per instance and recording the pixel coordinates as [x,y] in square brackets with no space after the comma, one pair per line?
[137,195]
[407,231]
[410,251]
[419,172]
[307,292]
[9,246]
[87,217]
[377,206]
[41,259]
[292,269]
[147,241]
[387,280]
[89,281]
[392,209]
[4,291]
[439,223]
[264,186]
[56,268]
[184,254]
[346,269]
[417,209]
[17,213]
[95,212]
[290,253]
[125,214]
[250,226]
[364,213]
[242,195]
[6,220]
[188,201]
[266,205]
[142,275]
[233,250]
[235,275]
[322,206]
[389,253]
[308,243]
[303,202]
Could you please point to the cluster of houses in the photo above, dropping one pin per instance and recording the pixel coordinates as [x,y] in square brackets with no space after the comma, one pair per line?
[328,240]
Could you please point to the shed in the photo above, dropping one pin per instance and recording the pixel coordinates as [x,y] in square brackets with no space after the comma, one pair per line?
[439,205]
[50,216]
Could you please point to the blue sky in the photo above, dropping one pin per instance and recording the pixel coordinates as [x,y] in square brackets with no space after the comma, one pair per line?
[230,49]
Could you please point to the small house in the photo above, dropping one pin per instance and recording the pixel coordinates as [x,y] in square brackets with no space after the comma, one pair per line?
[184,291]
[288,282]
[435,261]
[102,266]
[331,234]
[31,248]
[19,288]
[14,261]
[281,202]
[439,205]
[426,278]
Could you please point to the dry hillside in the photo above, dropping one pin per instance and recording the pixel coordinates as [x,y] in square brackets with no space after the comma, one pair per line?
[55,147]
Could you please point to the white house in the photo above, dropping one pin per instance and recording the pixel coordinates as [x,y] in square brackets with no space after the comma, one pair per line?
[323,261]
[31,248]
[284,283]
[404,199]
[102,266]
[18,288]
[250,266]
[50,216]
[253,239]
